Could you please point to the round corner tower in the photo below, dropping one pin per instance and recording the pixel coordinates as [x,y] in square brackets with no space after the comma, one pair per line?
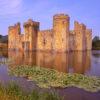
[61,23]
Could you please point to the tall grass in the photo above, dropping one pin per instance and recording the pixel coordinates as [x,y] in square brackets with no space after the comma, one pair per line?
[13,92]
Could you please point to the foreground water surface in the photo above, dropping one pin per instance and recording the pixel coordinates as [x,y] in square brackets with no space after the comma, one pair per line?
[87,63]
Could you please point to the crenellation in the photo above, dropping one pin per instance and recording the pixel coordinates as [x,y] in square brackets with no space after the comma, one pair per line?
[30,22]
[58,39]
[76,26]
[60,16]
[11,27]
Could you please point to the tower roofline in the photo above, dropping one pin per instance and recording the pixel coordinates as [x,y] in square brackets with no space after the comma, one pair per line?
[31,22]
[57,16]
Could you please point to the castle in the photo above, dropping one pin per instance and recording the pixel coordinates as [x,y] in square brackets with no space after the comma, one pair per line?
[58,39]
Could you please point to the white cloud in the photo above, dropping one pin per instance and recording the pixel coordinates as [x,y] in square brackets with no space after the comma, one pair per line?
[10,7]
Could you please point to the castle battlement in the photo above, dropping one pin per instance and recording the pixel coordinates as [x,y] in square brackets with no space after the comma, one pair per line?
[11,27]
[30,22]
[59,38]
[60,16]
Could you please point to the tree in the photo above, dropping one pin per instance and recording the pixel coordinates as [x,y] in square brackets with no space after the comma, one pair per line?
[96,38]
[0,36]
[96,43]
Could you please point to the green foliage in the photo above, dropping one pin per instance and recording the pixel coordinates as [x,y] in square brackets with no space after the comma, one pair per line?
[4,39]
[96,38]
[0,36]
[46,78]
[13,92]
[96,43]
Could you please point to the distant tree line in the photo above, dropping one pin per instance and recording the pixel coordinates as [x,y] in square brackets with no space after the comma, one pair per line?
[96,43]
[3,39]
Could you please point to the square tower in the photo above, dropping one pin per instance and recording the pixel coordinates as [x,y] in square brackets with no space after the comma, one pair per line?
[61,32]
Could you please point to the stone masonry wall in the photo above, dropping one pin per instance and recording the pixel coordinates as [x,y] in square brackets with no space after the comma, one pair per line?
[57,39]
[80,36]
[72,41]
[31,29]
[89,39]
[45,40]
[61,32]
[13,36]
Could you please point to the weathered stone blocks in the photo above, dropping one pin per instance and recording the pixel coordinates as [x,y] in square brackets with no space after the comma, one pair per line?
[58,39]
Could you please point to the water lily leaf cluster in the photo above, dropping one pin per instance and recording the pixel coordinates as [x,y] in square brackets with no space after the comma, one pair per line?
[46,78]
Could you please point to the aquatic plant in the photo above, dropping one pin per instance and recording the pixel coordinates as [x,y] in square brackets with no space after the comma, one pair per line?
[14,92]
[46,78]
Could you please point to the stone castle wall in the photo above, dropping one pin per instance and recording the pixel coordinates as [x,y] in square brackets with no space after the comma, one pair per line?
[89,39]
[45,40]
[72,41]
[58,39]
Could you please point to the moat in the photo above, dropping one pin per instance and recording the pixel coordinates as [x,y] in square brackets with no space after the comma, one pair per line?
[87,63]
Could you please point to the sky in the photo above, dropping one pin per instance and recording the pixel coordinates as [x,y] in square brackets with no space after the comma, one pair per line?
[84,11]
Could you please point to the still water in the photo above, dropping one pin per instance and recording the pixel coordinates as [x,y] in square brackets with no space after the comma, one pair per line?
[87,63]
[74,62]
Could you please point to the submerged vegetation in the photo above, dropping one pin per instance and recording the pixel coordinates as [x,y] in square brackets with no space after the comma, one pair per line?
[46,78]
[13,92]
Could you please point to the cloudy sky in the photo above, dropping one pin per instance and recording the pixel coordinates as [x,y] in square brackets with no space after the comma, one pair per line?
[84,11]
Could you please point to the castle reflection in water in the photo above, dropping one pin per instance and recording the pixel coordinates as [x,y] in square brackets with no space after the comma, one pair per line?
[74,62]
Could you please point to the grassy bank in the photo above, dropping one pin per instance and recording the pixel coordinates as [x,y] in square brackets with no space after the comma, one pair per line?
[13,92]
[46,78]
